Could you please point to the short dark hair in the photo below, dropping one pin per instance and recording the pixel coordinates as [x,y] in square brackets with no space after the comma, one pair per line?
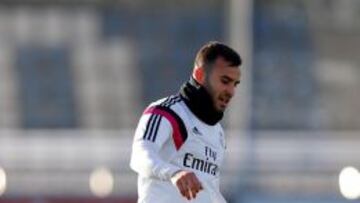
[208,54]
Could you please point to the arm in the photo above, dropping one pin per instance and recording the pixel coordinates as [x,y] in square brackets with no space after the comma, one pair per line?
[151,134]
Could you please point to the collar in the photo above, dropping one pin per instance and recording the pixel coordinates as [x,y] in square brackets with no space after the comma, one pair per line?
[199,101]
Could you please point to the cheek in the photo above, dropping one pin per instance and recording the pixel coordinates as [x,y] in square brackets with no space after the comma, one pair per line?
[212,91]
[220,88]
[216,88]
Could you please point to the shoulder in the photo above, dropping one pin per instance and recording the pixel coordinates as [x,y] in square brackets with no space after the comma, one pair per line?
[171,103]
[168,107]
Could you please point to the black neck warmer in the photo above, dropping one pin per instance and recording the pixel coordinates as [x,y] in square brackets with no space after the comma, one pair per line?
[199,102]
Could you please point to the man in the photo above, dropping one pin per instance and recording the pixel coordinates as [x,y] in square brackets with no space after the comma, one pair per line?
[179,143]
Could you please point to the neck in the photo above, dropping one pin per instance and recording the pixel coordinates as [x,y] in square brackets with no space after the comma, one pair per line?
[199,101]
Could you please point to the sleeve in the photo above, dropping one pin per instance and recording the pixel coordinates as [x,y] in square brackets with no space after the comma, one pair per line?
[151,134]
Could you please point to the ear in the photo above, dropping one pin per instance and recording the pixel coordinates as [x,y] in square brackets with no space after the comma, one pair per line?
[199,75]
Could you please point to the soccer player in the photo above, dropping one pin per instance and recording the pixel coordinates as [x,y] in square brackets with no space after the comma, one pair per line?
[179,143]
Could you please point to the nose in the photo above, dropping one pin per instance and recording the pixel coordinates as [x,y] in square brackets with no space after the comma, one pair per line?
[231,90]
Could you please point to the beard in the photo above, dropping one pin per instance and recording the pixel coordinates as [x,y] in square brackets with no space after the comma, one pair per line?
[211,90]
[216,98]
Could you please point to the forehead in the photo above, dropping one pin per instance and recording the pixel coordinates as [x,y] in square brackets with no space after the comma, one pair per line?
[223,68]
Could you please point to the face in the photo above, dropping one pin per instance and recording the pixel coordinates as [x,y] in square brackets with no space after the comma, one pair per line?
[221,82]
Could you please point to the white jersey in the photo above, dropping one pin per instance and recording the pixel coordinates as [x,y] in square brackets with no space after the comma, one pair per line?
[168,138]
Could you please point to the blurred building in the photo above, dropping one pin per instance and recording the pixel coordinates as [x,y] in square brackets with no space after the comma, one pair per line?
[76,75]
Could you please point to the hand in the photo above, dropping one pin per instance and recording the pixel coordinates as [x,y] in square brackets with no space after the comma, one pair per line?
[187,183]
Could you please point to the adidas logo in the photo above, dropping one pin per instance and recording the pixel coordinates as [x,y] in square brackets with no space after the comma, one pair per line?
[196,131]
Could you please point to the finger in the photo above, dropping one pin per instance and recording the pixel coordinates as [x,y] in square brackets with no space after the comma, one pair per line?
[182,188]
[194,186]
[187,194]
[193,194]
[189,190]
[196,183]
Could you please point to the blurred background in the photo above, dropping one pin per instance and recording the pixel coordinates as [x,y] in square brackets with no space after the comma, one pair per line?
[75,76]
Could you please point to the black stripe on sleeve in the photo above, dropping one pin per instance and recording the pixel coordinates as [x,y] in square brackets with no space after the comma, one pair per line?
[156,117]
[148,125]
[156,129]
[154,121]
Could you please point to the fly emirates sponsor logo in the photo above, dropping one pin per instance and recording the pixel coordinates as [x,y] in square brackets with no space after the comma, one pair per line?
[206,166]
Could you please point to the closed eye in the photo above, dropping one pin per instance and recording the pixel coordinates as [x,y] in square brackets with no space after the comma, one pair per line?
[227,80]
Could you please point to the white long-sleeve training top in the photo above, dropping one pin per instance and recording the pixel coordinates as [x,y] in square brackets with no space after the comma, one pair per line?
[168,138]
